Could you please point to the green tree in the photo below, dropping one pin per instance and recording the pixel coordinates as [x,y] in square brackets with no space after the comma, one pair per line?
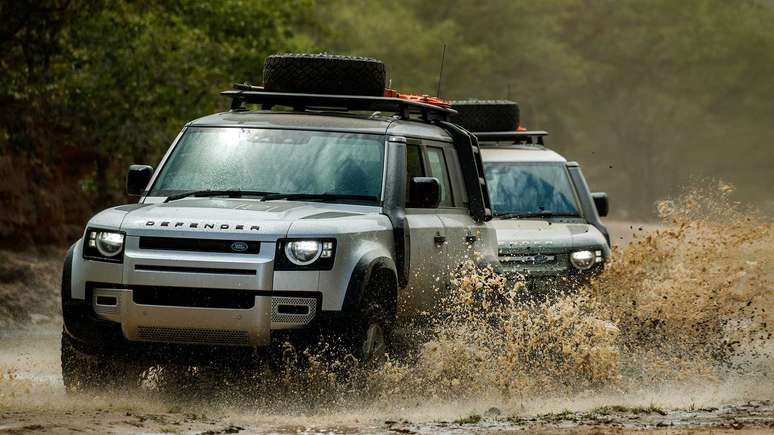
[88,87]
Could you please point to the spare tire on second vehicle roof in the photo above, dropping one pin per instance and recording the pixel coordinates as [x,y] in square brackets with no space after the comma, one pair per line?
[486,115]
[324,74]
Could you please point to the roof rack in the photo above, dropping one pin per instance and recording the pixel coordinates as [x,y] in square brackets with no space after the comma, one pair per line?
[303,102]
[533,137]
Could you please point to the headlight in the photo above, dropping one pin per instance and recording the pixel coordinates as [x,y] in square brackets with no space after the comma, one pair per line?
[305,254]
[104,245]
[582,259]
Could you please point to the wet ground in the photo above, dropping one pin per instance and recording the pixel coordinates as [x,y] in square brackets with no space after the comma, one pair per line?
[32,400]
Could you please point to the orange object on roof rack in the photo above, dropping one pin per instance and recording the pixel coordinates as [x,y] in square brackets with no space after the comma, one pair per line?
[426,99]
[520,128]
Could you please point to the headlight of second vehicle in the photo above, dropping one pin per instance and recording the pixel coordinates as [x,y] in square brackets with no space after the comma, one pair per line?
[104,245]
[310,254]
[583,260]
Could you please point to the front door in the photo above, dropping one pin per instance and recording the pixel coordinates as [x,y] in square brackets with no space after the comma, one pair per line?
[428,250]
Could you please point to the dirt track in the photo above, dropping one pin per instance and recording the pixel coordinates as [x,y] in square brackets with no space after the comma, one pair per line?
[32,399]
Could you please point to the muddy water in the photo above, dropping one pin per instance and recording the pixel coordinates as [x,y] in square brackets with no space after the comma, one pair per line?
[675,334]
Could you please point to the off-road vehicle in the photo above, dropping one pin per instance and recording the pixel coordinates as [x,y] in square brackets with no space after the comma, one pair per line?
[548,223]
[331,210]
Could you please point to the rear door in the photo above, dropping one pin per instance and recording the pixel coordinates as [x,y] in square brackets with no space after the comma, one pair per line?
[440,159]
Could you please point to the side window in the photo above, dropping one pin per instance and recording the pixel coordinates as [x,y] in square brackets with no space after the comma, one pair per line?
[413,167]
[437,168]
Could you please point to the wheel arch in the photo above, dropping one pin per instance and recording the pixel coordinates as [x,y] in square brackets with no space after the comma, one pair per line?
[368,268]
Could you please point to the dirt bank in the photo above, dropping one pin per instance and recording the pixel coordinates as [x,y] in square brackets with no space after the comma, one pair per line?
[29,288]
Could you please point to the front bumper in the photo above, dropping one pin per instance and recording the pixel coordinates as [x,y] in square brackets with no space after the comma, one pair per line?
[185,325]
[185,298]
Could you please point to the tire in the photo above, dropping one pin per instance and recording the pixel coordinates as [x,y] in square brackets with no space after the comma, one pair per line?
[370,329]
[85,370]
[324,74]
[486,115]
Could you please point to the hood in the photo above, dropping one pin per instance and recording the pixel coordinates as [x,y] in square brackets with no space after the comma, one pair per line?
[228,216]
[530,235]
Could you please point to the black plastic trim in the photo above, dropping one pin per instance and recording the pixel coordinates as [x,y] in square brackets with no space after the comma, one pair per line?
[394,208]
[469,156]
[198,245]
[194,297]
[361,276]
[217,271]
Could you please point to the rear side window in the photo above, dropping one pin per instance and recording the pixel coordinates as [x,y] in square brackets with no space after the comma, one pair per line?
[437,168]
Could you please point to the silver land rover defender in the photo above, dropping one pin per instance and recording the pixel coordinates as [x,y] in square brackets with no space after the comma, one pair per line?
[548,223]
[336,212]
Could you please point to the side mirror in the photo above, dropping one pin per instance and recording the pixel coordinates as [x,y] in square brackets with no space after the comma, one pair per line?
[137,179]
[424,192]
[601,202]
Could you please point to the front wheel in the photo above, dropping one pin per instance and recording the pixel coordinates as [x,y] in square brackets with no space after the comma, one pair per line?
[371,327]
[375,344]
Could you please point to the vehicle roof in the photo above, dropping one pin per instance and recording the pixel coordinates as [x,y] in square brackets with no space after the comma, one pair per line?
[329,121]
[520,153]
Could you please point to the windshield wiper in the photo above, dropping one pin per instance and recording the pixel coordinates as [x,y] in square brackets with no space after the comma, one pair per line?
[318,197]
[542,213]
[234,193]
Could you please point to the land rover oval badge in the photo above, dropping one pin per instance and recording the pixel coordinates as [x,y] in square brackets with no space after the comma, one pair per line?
[239,246]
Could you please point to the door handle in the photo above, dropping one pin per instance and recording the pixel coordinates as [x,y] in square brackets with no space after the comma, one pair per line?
[439,240]
[471,239]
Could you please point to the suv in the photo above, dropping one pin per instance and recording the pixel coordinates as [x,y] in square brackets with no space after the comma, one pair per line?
[270,223]
[548,223]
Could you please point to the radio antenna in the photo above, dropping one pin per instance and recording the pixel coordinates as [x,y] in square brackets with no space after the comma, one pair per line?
[440,74]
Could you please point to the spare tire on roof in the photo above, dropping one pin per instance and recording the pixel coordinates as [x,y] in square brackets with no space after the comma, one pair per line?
[324,74]
[486,115]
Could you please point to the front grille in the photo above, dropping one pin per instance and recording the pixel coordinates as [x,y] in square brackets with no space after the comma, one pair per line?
[194,297]
[196,336]
[528,259]
[200,245]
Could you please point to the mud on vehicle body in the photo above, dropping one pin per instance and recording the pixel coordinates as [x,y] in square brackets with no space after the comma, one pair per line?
[339,216]
[548,223]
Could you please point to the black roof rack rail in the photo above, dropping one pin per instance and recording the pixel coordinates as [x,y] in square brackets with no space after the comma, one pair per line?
[302,102]
[534,136]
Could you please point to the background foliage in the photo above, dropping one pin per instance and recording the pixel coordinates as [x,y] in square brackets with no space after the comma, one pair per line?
[645,94]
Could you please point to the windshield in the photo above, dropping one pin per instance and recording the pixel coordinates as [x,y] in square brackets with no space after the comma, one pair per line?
[530,189]
[280,161]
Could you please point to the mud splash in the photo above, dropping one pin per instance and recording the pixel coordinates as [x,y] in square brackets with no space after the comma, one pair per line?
[686,303]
